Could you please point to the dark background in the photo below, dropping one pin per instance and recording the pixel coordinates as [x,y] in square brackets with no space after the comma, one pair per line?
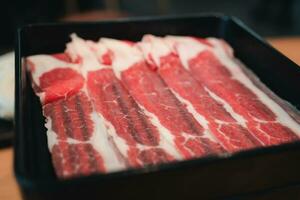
[267,17]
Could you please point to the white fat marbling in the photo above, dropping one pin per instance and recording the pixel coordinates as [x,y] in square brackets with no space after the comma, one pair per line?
[79,48]
[51,135]
[199,118]
[240,119]
[124,55]
[100,140]
[166,137]
[186,47]
[98,49]
[154,46]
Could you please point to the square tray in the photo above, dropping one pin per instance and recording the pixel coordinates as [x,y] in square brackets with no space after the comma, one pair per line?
[243,174]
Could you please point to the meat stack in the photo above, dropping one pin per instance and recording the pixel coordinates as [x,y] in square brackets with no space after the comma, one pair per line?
[115,104]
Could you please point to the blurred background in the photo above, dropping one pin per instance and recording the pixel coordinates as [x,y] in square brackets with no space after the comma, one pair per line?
[267,17]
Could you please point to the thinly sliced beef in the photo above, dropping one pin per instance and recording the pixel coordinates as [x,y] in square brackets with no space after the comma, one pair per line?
[137,140]
[60,83]
[220,123]
[112,105]
[71,117]
[151,92]
[208,70]
[118,107]
[71,125]
[79,159]
[53,78]
[242,100]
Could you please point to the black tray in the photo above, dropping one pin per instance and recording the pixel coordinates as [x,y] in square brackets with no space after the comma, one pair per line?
[6,133]
[243,175]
